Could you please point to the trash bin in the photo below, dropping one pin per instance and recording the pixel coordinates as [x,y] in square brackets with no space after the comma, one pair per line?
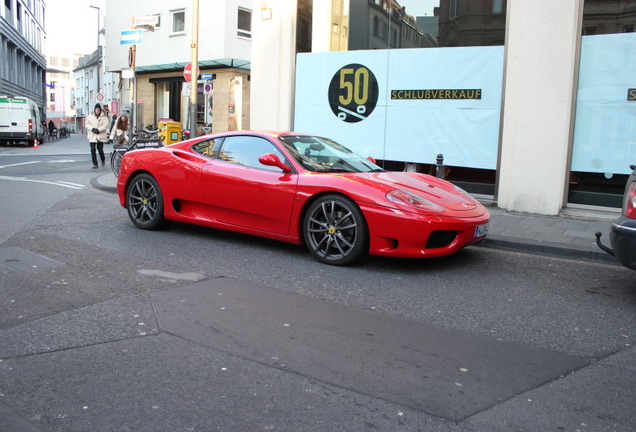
[170,131]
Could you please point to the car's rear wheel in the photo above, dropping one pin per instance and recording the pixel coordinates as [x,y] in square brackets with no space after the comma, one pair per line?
[145,202]
[335,230]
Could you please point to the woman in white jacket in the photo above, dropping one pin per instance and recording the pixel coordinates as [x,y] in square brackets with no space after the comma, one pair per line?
[119,135]
[96,126]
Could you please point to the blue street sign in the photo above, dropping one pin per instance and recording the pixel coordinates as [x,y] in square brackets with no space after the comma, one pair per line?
[131,37]
[206,76]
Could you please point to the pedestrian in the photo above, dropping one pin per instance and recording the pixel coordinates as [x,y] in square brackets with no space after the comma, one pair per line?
[52,131]
[96,125]
[111,127]
[119,135]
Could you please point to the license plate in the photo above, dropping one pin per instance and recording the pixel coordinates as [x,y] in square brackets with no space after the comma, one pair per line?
[481,230]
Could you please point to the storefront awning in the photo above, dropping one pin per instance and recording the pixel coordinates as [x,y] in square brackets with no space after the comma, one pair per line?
[203,64]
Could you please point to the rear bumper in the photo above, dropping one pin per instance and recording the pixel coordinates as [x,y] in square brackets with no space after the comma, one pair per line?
[623,241]
[16,136]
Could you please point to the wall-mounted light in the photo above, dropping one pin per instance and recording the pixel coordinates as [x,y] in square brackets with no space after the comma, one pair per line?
[266,10]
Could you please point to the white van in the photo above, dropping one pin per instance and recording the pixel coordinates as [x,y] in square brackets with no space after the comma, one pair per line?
[20,121]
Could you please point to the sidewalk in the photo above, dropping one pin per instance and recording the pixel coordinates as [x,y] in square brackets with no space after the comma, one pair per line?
[570,235]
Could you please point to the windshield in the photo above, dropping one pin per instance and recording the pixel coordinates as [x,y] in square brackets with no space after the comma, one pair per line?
[324,155]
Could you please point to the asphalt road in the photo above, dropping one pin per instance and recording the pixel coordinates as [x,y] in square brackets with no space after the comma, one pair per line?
[104,327]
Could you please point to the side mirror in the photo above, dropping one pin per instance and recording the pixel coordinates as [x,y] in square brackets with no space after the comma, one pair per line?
[372,160]
[271,159]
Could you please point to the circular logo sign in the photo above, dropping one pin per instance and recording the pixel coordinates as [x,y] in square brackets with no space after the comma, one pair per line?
[353,93]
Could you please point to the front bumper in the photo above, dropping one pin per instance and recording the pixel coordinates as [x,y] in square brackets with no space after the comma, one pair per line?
[411,235]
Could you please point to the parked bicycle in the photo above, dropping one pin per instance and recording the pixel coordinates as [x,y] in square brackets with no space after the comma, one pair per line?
[144,138]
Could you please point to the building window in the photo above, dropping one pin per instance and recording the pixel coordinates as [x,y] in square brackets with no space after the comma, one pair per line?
[19,17]
[178,21]
[497,6]
[453,10]
[244,23]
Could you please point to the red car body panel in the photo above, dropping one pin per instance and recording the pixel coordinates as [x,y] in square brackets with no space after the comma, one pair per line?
[215,193]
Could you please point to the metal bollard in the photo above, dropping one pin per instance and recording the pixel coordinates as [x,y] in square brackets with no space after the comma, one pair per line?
[439,167]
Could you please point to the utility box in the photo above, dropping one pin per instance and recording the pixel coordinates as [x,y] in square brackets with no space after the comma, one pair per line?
[170,131]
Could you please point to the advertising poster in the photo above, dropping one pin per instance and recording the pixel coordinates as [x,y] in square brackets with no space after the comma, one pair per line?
[405,105]
[605,125]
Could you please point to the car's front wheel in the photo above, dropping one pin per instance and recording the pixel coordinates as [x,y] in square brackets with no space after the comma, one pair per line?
[335,230]
[145,202]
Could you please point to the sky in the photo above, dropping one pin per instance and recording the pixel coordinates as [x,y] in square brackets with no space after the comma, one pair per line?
[71,26]
[419,7]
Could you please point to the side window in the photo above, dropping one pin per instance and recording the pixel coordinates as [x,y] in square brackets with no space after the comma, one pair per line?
[244,25]
[207,147]
[245,150]
[178,21]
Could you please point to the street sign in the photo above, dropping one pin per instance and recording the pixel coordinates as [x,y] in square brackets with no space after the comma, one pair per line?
[187,72]
[147,22]
[206,76]
[100,97]
[131,37]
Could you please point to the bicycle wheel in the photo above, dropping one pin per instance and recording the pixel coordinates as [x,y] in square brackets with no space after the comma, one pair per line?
[115,161]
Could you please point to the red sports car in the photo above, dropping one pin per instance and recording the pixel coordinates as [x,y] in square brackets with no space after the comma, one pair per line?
[299,189]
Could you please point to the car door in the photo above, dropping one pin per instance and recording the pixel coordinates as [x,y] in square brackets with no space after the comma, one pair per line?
[244,192]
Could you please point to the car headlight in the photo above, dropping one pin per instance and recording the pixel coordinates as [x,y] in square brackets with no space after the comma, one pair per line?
[409,199]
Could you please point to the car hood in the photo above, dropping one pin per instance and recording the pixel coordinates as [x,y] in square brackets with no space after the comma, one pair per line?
[436,190]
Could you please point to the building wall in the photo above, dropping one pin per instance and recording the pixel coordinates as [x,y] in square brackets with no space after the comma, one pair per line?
[538,113]
[382,24]
[22,36]
[471,23]
[217,32]
[273,65]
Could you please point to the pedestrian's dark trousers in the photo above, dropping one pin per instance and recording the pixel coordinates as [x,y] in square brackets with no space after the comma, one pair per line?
[100,148]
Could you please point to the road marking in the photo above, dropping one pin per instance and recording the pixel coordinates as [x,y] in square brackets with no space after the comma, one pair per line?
[18,164]
[63,184]
[70,184]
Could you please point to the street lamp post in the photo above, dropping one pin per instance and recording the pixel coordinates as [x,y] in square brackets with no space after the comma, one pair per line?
[99,59]
[195,68]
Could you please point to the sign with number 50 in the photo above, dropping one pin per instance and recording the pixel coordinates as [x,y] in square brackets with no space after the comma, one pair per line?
[353,93]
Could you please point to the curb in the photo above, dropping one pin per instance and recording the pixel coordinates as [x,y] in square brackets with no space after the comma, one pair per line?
[98,183]
[547,250]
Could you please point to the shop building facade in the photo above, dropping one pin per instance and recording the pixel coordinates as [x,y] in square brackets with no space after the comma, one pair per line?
[159,90]
[544,162]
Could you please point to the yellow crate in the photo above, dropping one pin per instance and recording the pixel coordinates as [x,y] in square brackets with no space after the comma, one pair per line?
[170,131]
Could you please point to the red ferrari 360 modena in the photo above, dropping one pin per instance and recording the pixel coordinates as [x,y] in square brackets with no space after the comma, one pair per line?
[299,189]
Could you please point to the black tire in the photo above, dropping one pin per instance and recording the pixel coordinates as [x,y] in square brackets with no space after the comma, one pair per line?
[335,230]
[144,202]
